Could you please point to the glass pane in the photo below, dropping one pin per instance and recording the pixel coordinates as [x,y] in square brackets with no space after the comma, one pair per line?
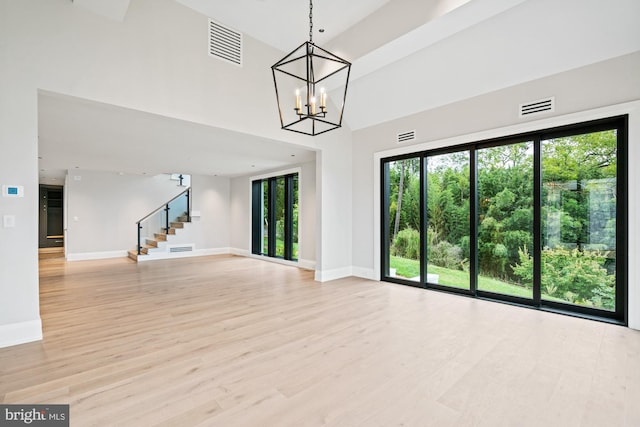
[280,216]
[178,209]
[579,219]
[448,219]
[505,219]
[265,217]
[404,219]
[294,251]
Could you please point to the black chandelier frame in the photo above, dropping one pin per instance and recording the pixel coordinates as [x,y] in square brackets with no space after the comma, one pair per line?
[308,52]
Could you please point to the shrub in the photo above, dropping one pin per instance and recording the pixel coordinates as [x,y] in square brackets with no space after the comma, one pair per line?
[579,277]
[445,254]
[407,244]
[280,229]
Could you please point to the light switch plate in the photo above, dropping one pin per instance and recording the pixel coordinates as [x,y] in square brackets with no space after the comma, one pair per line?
[9,221]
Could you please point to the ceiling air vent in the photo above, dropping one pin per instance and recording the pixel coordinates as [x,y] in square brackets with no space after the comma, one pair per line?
[225,43]
[534,108]
[406,137]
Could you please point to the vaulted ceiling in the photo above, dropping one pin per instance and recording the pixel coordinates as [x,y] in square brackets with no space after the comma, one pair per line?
[413,55]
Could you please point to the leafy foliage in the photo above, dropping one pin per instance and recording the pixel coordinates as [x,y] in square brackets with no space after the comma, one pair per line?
[578,226]
[579,277]
[407,244]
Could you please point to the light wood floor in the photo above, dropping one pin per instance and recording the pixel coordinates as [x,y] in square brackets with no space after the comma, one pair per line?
[231,341]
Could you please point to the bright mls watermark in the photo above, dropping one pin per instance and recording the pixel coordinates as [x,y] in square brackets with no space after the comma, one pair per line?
[34,415]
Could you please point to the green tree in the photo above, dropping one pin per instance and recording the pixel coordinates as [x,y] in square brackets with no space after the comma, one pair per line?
[579,277]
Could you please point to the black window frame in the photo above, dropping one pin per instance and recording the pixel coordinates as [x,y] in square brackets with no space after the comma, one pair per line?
[619,123]
[257,215]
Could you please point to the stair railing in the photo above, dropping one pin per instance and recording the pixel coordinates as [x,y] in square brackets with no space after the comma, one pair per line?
[180,203]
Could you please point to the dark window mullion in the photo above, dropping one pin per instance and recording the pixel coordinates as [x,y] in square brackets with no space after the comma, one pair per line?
[288,217]
[384,223]
[537,221]
[622,227]
[272,191]
[256,217]
[424,223]
[473,221]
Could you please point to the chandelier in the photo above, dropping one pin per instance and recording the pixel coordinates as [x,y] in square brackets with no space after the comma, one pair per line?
[311,87]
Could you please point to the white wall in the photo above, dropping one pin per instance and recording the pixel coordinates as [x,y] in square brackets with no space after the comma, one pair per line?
[211,197]
[240,208]
[334,209]
[19,300]
[155,61]
[582,94]
[102,210]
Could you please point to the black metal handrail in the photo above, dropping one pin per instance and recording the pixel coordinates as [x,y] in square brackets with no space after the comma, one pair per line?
[166,208]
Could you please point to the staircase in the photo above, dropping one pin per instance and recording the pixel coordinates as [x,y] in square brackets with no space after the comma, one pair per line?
[163,242]
[159,232]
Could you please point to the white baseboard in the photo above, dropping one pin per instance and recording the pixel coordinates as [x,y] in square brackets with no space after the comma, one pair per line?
[301,263]
[189,254]
[307,264]
[240,252]
[84,256]
[20,333]
[365,273]
[337,273]
[212,251]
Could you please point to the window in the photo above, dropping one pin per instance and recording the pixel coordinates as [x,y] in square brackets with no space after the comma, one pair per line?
[447,213]
[505,218]
[536,219]
[275,217]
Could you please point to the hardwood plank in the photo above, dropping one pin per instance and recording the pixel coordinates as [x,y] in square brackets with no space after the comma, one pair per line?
[226,340]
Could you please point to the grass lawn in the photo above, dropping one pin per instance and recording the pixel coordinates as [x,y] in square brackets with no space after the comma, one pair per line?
[410,268]
[279,247]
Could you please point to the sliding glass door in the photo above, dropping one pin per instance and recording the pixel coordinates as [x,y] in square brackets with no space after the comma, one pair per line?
[579,220]
[536,219]
[447,215]
[401,192]
[505,219]
[275,217]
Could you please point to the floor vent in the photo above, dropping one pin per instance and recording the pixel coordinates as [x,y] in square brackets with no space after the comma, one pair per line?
[406,137]
[534,108]
[225,43]
[181,249]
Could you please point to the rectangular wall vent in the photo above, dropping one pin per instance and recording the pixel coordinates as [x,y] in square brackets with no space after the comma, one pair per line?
[406,136]
[181,249]
[540,106]
[225,43]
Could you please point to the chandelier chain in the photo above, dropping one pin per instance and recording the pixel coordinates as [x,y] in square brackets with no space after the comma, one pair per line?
[311,21]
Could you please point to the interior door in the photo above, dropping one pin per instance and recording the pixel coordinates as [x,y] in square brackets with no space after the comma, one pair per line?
[51,233]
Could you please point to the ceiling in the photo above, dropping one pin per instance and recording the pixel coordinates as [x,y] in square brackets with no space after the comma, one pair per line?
[415,55]
[75,133]
[284,24]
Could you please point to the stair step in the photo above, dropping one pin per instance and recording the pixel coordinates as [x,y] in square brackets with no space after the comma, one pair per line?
[133,254]
[151,243]
[177,225]
[183,218]
[145,250]
[161,237]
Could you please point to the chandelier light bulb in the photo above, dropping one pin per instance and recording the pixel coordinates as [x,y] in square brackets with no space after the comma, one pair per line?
[298,103]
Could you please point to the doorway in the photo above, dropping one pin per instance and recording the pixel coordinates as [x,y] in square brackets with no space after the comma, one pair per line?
[51,230]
